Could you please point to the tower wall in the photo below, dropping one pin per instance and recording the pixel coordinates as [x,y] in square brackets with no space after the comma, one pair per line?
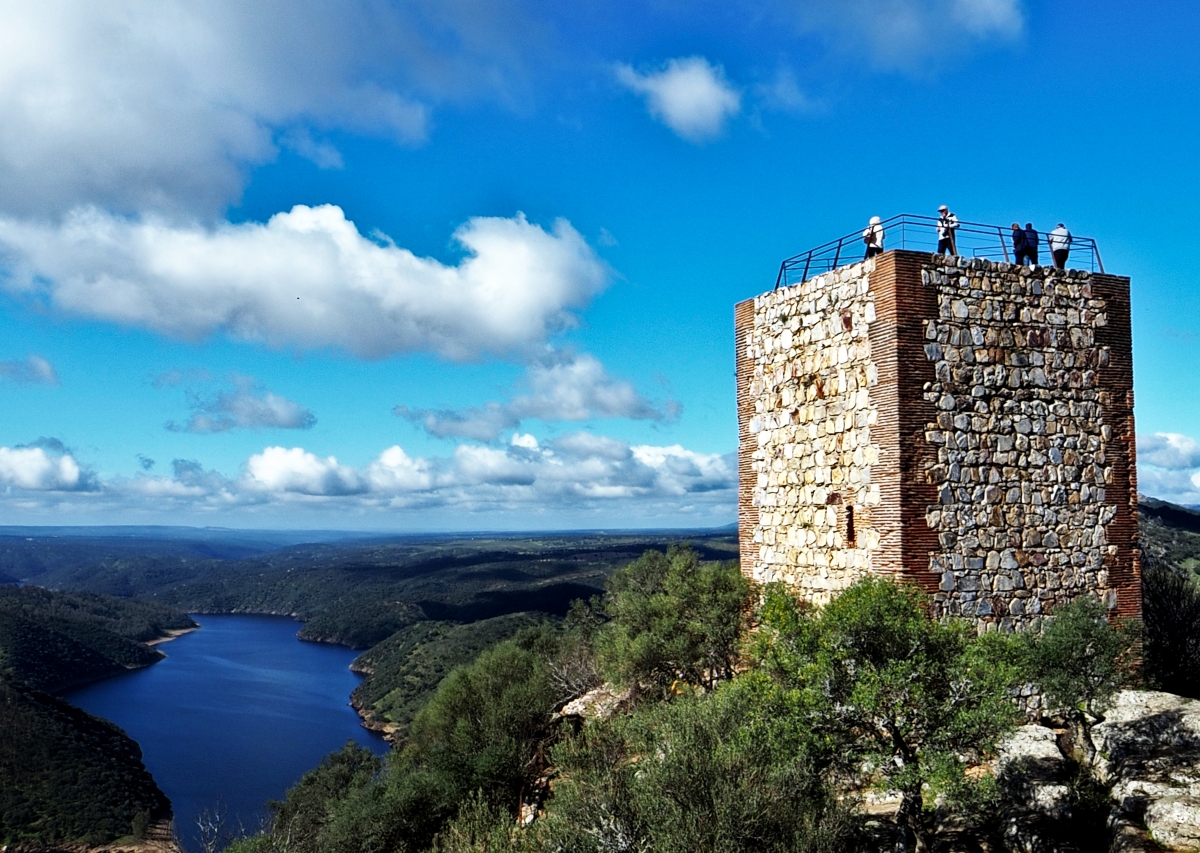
[962,424]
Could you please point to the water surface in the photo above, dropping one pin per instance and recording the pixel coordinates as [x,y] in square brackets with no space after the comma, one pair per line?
[235,715]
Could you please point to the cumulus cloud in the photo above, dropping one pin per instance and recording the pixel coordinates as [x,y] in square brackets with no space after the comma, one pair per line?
[307,279]
[578,476]
[689,95]
[562,386]
[1170,450]
[277,469]
[31,370]
[248,405]
[44,466]
[139,104]
[575,468]
[907,33]
[1169,467]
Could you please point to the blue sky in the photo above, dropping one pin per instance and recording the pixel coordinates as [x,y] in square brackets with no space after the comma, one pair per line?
[471,265]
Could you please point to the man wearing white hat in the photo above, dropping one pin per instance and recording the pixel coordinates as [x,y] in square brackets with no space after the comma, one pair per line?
[873,237]
[947,224]
[1060,245]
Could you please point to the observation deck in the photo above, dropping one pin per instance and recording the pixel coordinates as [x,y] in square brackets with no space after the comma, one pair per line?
[918,233]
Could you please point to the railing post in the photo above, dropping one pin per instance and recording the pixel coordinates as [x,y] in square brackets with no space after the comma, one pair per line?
[838,254]
[1096,255]
[778,278]
[807,261]
[1003,245]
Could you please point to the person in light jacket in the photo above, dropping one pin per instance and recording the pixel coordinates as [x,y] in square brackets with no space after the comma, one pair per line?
[1059,241]
[873,237]
[947,224]
[1031,243]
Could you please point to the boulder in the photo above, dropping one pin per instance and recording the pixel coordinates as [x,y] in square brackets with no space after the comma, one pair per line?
[1033,771]
[1150,750]
[598,703]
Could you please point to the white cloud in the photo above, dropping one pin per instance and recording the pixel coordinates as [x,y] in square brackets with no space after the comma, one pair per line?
[526,440]
[307,279]
[1169,467]
[32,370]
[572,470]
[248,405]
[163,104]
[575,477]
[1169,450]
[562,386]
[395,471]
[689,95]
[909,33]
[33,469]
[278,469]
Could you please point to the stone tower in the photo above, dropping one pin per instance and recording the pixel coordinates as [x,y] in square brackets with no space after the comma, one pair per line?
[960,423]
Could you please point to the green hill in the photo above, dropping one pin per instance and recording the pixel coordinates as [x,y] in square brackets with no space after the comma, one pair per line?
[68,776]
[65,775]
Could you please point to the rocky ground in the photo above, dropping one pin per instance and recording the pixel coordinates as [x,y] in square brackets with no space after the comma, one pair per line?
[1148,772]
[160,838]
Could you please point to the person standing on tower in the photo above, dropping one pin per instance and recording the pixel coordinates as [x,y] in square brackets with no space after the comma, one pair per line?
[1019,244]
[1059,241]
[873,237]
[1031,243]
[947,224]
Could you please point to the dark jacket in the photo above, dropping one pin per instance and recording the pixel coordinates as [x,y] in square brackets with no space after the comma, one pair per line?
[1031,239]
[1020,241]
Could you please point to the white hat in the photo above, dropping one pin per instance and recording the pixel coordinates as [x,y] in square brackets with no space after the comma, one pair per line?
[875,220]
[943,207]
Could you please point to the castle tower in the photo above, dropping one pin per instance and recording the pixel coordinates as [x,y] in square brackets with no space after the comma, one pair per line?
[959,423]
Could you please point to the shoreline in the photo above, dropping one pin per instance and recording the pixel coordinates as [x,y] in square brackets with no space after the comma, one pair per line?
[172,633]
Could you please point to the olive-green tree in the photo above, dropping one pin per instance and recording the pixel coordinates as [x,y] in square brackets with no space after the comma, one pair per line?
[674,619]
[887,688]
[1080,661]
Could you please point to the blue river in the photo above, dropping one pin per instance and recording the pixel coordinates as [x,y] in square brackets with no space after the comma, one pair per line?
[234,716]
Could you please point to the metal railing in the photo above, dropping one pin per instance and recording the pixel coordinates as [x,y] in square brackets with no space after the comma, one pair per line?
[919,233]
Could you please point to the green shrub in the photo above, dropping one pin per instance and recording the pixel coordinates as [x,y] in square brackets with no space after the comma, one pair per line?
[884,686]
[1080,660]
[483,725]
[673,618]
[726,771]
[1171,615]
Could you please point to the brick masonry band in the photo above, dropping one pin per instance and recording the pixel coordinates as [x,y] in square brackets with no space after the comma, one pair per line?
[963,424]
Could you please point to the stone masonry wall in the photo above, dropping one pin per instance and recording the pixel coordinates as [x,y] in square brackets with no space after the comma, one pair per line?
[1022,438]
[963,424]
[809,368]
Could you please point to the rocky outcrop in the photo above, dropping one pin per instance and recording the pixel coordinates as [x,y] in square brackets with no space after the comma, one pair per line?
[597,704]
[1150,743]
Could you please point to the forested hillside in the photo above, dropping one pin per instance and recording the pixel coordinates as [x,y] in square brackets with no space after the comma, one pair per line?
[709,736]
[420,606]
[66,775]
[358,594]
[472,643]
